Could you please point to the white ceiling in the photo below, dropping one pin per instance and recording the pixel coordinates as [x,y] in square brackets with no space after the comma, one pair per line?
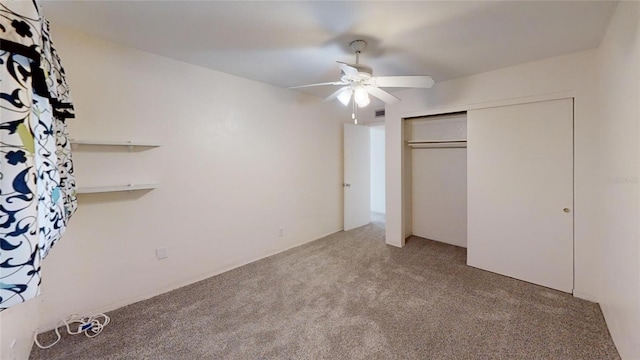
[287,43]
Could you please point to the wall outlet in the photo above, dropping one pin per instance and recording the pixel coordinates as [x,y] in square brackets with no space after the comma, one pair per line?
[281,232]
[161,253]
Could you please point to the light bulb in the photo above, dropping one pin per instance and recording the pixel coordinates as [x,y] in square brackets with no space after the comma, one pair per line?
[361,97]
[364,102]
[345,96]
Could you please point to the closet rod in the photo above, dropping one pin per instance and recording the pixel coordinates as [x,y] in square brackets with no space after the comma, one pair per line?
[438,144]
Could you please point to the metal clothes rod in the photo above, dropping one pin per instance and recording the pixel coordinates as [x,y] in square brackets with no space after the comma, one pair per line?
[437,144]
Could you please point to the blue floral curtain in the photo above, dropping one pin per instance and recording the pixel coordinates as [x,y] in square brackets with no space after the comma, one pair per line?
[37,186]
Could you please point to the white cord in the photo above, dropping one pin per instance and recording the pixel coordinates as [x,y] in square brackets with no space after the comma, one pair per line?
[90,326]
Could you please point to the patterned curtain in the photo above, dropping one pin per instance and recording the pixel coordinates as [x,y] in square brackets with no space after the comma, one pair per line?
[37,186]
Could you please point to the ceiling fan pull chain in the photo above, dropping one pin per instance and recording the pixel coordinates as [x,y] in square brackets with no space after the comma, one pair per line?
[353,114]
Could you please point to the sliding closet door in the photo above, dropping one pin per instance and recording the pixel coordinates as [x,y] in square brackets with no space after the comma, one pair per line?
[520,192]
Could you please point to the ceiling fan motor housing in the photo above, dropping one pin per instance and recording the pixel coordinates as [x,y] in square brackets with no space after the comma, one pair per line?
[364,70]
[364,74]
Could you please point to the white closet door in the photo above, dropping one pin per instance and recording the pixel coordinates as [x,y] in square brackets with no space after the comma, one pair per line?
[520,192]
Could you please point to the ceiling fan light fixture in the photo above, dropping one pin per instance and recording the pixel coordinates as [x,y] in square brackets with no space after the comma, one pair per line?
[361,97]
[344,97]
[364,102]
[357,83]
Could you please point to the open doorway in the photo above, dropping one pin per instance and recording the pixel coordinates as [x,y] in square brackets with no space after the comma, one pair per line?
[377,170]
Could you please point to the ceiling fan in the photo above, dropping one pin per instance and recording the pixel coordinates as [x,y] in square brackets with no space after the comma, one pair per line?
[357,82]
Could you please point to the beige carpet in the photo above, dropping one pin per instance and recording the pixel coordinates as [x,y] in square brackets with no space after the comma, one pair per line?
[350,296]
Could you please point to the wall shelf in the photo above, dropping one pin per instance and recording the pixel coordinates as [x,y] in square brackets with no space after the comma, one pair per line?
[103,189]
[425,144]
[129,144]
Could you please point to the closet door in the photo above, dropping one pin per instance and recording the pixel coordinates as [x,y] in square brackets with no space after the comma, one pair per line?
[520,192]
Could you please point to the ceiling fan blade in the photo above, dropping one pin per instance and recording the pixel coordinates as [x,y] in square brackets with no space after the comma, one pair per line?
[318,84]
[403,81]
[337,93]
[381,94]
[348,69]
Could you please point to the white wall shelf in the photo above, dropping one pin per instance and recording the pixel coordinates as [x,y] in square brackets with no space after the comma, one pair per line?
[452,143]
[130,144]
[114,188]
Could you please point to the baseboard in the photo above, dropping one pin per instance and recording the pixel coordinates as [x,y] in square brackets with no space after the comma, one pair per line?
[614,329]
[585,296]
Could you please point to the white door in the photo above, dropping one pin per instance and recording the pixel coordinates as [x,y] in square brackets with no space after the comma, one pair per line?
[520,192]
[356,176]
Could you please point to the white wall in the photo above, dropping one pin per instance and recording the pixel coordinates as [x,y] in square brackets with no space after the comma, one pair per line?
[619,182]
[237,162]
[377,169]
[572,74]
[439,193]
[18,323]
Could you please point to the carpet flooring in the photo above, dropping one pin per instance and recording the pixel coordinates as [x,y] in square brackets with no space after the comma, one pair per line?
[350,296]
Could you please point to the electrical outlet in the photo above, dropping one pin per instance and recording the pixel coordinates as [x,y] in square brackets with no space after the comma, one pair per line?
[161,253]
[281,232]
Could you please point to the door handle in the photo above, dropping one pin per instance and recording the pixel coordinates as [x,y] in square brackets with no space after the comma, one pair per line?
[346,185]
[567,210]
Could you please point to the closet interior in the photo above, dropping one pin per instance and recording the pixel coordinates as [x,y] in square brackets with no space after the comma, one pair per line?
[437,159]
